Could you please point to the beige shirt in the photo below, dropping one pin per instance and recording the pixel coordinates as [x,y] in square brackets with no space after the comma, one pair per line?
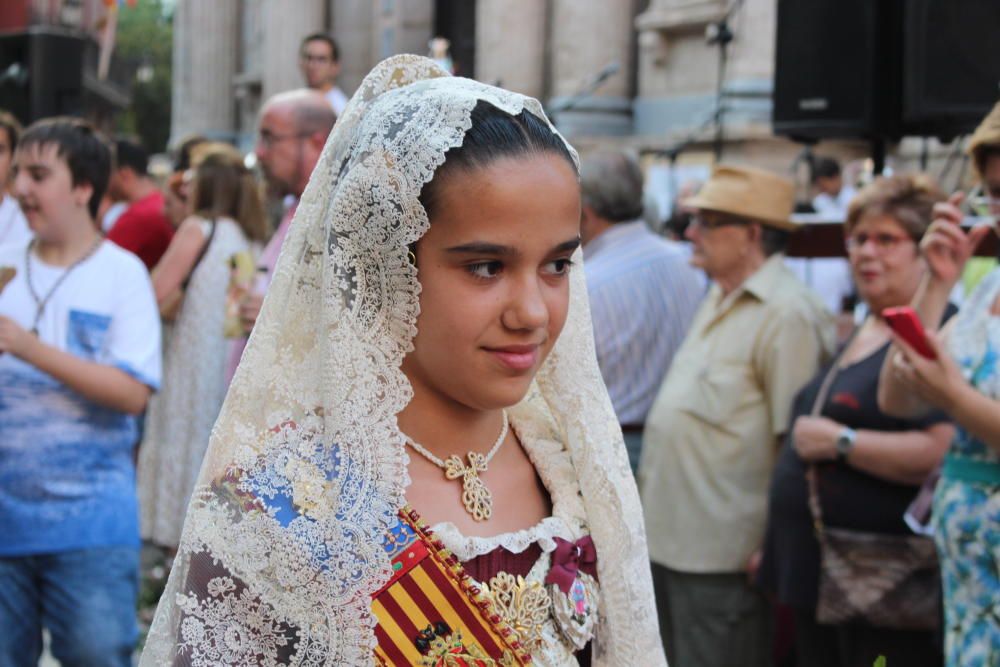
[712,434]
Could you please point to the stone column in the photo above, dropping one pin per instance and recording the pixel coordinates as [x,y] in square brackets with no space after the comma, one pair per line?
[285,24]
[353,29]
[510,44]
[402,26]
[586,38]
[204,62]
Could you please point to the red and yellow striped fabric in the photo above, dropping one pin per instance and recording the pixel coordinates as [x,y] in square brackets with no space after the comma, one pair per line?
[431,613]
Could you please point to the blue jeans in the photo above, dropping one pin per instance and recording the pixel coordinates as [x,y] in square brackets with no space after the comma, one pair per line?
[86,599]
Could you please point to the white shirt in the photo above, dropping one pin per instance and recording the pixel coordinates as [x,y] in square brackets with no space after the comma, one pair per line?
[73,485]
[103,311]
[643,296]
[112,214]
[337,99]
[834,208]
[829,277]
[13,225]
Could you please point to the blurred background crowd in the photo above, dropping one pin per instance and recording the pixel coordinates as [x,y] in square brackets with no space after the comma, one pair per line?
[761,180]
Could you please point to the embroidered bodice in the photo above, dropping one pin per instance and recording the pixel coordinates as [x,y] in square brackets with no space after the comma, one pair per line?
[555,621]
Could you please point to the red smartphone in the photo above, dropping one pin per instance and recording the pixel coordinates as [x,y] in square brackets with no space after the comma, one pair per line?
[905,322]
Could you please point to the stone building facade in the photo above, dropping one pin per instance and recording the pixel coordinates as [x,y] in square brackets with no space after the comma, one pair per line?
[659,90]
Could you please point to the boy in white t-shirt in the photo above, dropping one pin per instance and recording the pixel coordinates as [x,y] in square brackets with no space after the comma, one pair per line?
[79,358]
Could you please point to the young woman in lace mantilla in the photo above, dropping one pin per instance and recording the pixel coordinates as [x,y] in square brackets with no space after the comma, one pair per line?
[417,462]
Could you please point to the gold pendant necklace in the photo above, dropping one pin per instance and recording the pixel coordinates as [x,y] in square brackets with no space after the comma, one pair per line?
[476,497]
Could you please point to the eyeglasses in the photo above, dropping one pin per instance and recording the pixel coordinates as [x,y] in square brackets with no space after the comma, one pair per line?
[714,222]
[884,242]
[306,58]
[267,139]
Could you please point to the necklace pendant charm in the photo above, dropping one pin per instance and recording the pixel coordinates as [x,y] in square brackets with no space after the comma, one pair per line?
[476,497]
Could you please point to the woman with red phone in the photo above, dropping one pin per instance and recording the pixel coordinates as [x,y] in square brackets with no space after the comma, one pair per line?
[867,466]
[963,380]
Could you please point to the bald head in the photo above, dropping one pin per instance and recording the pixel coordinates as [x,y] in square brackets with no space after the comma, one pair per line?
[293,129]
[309,109]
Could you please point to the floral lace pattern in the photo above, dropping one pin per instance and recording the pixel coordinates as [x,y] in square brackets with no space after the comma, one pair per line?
[323,366]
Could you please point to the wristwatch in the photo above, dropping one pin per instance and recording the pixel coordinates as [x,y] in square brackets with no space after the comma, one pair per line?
[845,442]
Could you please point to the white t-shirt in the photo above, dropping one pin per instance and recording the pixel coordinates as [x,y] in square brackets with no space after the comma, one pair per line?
[337,99]
[104,311]
[112,214]
[67,478]
[13,225]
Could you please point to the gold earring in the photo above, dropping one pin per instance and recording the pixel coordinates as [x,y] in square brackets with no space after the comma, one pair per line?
[411,257]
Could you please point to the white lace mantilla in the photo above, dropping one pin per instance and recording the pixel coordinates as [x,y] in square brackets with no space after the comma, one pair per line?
[311,414]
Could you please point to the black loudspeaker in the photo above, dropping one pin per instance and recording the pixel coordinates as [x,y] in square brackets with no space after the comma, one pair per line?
[41,74]
[952,57]
[837,65]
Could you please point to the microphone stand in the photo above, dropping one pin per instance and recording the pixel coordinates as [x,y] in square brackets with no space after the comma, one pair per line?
[584,91]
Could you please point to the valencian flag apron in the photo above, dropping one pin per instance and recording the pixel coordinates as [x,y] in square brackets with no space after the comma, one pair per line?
[431,613]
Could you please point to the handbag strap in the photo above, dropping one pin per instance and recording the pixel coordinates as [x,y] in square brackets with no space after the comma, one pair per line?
[812,474]
[201,255]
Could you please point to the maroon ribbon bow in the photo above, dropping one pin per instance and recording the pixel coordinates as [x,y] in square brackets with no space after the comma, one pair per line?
[567,559]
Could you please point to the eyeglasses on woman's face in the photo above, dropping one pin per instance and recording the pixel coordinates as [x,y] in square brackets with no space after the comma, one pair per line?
[884,242]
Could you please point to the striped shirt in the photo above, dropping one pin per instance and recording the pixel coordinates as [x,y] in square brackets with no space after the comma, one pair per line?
[643,296]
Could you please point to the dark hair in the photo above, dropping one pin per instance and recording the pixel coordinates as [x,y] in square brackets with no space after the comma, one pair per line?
[773,240]
[825,167]
[132,155]
[182,154]
[322,37]
[81,146]
[496,134]
[982,153]
[9,122]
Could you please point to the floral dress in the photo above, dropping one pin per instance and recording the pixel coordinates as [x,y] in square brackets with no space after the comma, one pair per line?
[967,513]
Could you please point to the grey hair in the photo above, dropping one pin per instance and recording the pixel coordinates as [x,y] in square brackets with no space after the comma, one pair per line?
[611,185]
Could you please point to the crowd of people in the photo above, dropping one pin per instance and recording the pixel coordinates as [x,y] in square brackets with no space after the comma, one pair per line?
[463,399]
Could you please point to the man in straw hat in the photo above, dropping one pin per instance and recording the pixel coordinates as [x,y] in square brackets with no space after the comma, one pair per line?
[713,431]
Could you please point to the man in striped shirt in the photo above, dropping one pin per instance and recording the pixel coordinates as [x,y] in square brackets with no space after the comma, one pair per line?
[643,294]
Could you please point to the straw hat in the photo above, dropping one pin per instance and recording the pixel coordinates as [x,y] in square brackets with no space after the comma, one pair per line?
[748,193]
[987,134]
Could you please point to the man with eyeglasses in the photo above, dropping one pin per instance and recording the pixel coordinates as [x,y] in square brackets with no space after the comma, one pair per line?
[319,61]
[291,133]
[713,433]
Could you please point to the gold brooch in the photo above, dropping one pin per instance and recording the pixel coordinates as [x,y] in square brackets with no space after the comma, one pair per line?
[523,606]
